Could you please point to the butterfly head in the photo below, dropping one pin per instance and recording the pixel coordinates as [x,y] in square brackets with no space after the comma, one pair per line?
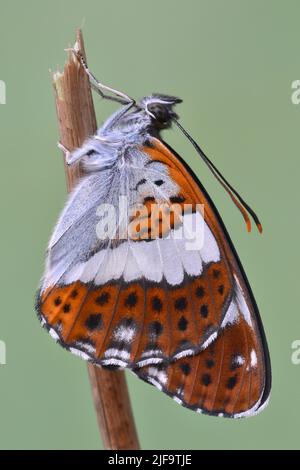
[160,109]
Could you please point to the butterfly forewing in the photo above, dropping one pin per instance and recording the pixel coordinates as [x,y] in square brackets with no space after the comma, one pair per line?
[169,299]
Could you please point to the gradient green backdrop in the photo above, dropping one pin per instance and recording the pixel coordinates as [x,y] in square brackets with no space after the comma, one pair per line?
[233,63]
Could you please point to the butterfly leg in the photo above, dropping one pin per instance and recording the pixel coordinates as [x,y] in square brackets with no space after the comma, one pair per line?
[65,151]
[99,87]
[71,157]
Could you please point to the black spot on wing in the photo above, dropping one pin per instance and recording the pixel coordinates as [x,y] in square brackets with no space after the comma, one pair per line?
[231,382]
[180,303]
[204,311]
[157,304]
[221,289]
[155,328]
[177,199]
[74,294]
[131,300]
[149,199]
[210,363]
[206,380]
[94,321]
[216,273]
[103,298]
[185,367]
[182,323]
[200,292]
[57,301]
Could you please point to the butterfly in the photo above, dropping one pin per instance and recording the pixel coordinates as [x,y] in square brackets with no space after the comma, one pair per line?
[141,272]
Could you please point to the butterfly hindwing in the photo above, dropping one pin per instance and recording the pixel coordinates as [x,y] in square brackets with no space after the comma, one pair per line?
[150,301]
[225,379]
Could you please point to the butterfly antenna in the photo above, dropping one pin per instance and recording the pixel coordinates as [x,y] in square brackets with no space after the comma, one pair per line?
[243,207]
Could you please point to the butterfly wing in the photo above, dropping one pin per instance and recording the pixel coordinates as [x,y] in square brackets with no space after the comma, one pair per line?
[147,299]
[227,378]
[231,376]
[124,301]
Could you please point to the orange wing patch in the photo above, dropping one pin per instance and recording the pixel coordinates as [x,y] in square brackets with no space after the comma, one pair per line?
[225,379]
[190,193]
[139,323]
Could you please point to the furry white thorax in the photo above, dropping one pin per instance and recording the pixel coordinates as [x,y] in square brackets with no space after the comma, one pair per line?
[130,126]
[107,148]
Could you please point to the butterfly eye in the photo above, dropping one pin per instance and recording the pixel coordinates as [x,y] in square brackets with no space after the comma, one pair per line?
[159,111]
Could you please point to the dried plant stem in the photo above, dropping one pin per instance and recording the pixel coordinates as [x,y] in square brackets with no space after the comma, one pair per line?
[77,120]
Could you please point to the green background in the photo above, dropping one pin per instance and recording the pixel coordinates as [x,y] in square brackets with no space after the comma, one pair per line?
[233,63]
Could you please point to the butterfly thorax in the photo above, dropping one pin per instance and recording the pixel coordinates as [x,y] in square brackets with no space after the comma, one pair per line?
[128,128]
